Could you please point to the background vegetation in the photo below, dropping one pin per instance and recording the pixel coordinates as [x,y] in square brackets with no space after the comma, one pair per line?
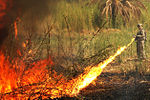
[79,33]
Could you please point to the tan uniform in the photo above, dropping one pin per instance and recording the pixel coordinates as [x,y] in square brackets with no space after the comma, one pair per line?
[140,43]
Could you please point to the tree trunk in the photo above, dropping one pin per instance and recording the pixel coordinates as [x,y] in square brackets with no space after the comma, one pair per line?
[124,1]
[113,14]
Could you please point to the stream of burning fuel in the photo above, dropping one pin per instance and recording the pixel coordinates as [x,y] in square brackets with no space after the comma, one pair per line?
[93,72]
[20,82]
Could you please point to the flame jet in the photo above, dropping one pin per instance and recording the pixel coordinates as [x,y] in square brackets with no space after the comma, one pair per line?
[89,76]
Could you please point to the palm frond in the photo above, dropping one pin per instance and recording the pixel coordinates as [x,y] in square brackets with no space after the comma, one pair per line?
[126,8]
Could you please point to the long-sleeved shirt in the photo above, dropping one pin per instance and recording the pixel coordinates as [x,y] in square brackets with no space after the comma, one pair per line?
[141,36]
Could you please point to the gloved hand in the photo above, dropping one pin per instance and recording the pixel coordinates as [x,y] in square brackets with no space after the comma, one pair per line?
[134,36]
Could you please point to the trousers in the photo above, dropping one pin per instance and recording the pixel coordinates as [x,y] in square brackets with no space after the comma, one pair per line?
[140,49]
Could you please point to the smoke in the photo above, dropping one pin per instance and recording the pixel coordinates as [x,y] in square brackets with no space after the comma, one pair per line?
[38,8]
[11,9]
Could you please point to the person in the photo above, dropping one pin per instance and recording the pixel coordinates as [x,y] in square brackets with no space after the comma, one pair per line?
[140,42]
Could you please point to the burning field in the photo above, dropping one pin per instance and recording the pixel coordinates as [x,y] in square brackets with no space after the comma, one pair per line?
[37,81]
[29,65]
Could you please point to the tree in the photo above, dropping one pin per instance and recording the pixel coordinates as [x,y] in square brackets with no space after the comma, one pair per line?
[127,9]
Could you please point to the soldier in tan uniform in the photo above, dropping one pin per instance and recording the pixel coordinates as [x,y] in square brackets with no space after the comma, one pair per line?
[140,42]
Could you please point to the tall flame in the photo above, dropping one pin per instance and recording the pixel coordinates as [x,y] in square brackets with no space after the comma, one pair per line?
[15,29]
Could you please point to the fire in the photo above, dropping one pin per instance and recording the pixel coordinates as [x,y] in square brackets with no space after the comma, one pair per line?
[15,28]
[20,81]
[19,75]
[93,72]
[7,75]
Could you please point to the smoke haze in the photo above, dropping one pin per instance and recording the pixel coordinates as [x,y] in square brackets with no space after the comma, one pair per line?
[11,9]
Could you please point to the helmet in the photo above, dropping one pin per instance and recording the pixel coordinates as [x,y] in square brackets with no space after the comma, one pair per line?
[139,25]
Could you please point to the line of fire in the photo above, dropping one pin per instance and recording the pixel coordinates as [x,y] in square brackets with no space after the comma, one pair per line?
[74,50]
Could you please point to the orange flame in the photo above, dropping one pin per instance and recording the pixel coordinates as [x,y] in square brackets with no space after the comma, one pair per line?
[16,30]
[18,75]
[85,79]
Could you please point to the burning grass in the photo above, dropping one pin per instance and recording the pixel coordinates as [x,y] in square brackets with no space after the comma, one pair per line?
[36,81]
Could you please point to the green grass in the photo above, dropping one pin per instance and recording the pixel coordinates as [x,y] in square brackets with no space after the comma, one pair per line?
[78,16]
[84,19]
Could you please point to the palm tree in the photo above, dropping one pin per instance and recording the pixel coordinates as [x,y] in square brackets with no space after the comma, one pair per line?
[127,9]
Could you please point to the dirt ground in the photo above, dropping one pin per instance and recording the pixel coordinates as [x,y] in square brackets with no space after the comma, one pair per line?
[116,86]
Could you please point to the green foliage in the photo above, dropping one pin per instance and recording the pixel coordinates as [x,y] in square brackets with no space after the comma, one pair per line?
[125,9]
[77,14]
